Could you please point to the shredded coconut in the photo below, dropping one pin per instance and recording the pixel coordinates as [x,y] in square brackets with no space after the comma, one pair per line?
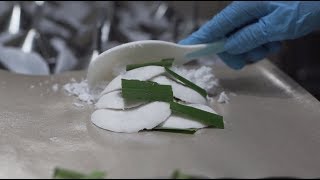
[82,92]
[202,76]
[223,98]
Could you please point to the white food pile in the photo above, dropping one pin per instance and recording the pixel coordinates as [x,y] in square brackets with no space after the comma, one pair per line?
[113,113]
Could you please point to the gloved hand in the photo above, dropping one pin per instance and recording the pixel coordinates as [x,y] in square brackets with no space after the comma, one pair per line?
[255,29]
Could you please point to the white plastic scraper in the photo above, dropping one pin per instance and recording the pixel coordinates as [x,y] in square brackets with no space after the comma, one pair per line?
[102,68]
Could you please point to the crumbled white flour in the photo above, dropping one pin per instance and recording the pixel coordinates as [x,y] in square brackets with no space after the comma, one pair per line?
[202,76]
[82,92]
[32,86]
[55,87]
[223,98]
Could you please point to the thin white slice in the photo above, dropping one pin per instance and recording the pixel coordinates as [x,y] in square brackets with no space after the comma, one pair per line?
[180,91]
[114,100]
[142,74]
[179,122]
[133,120]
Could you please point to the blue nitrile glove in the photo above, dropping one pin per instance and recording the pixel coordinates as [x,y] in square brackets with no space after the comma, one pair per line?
[255,29]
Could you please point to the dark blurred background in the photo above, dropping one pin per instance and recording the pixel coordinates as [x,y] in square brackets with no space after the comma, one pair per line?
[300,59]
[50,37]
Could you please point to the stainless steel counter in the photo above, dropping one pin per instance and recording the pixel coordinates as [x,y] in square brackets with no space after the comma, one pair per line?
[272,129]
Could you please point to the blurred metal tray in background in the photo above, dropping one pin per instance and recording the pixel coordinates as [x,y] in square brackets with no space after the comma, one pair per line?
[272,129]
[67,35]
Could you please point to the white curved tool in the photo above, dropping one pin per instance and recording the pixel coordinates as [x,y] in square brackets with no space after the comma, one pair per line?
[103,67]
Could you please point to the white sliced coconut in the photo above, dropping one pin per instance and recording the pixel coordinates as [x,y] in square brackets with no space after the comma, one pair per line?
[114,100]
[179,122]
[180,91]
[133,120]
[142,74]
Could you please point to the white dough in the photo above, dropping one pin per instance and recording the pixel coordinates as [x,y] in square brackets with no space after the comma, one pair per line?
[180,91]
[142,74]
[114,100]
[144,117]
[179,122]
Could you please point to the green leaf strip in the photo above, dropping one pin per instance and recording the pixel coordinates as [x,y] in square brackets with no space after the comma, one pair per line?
[174,130]
[187,82]
[146,91]
[164,62]
[199,115]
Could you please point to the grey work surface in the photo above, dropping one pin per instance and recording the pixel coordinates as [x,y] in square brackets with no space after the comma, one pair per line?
[272,129]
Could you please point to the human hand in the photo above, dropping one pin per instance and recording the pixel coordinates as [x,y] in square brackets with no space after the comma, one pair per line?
[255,29]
